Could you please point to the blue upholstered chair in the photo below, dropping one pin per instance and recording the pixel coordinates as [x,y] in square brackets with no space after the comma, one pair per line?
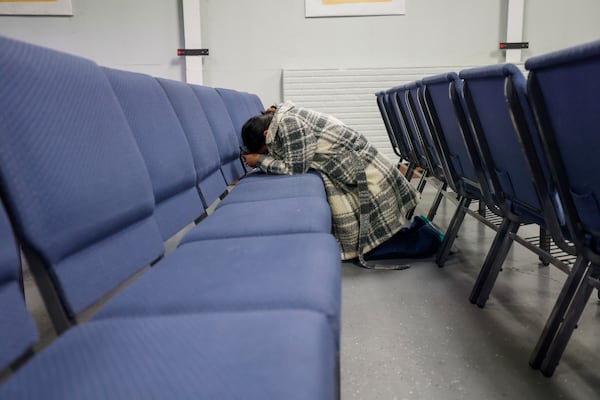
[255,104]
[73,178]
[209,179]
[383,106]
[228,142]
[399,100]
[239,109]
[458,151]
[82,202]
[164,147]
[421,129]
[212,355]
[563,89]
[169,160]
[262,206]
[506,163]
[398,125]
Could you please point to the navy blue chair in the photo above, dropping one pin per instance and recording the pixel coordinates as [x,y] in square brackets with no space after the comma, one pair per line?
[210,181]
[224,132]
[254,185]
[202,356]
[505,163]
[505,167]
[422,125]
[398,125]
[563,91]
[523,120]
[458,150]
[255,104]
[386,116]
[421,129]
[82,202]
[399,99]
[168,158]
[239,109]
[227,355]
[439,113]
[73,179]
[400,102]
[164,147]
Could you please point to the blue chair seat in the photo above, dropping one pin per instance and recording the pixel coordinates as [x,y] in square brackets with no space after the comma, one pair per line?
[288,271]
[259,186]
[205,356]
[264,218]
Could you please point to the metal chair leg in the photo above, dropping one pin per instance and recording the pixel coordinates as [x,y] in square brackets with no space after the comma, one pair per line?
[422,182]
[436,202]
[420,187]
[559,344]
[410,170]
[493,262]
[452,231]
[558,312]
[545,242]
[482,208]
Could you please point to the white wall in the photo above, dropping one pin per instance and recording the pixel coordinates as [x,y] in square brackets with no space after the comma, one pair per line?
[251,41]
[553,24]
[136,35]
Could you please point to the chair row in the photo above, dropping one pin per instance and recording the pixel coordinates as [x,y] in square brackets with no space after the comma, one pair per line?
[524,147]
[100,170]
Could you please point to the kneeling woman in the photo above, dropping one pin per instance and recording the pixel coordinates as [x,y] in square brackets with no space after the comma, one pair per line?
[368,195]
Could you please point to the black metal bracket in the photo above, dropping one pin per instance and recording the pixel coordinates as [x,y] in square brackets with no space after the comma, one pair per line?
[192,52]
[513,45]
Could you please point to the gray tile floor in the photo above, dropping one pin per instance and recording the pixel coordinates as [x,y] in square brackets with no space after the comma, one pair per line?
[413,334]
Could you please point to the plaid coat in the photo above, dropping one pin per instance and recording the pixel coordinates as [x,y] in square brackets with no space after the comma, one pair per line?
[368,195]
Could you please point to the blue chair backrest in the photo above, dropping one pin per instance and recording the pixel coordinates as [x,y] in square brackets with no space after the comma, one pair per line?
[164,147]
[238,108]
[563,89]
[17,330]
[210,181]
[484,93]
[398,125]
[255,104]
[223,129]
[400,96]
[449,129]
[73,177]
[523,120]
[383,110]
[421,126]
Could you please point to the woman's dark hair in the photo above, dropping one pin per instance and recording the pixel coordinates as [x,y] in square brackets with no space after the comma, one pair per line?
[252,131]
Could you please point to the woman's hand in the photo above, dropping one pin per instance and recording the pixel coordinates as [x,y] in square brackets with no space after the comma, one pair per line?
[251,159]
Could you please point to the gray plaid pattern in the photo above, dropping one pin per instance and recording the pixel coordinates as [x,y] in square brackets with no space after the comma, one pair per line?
[368,195]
